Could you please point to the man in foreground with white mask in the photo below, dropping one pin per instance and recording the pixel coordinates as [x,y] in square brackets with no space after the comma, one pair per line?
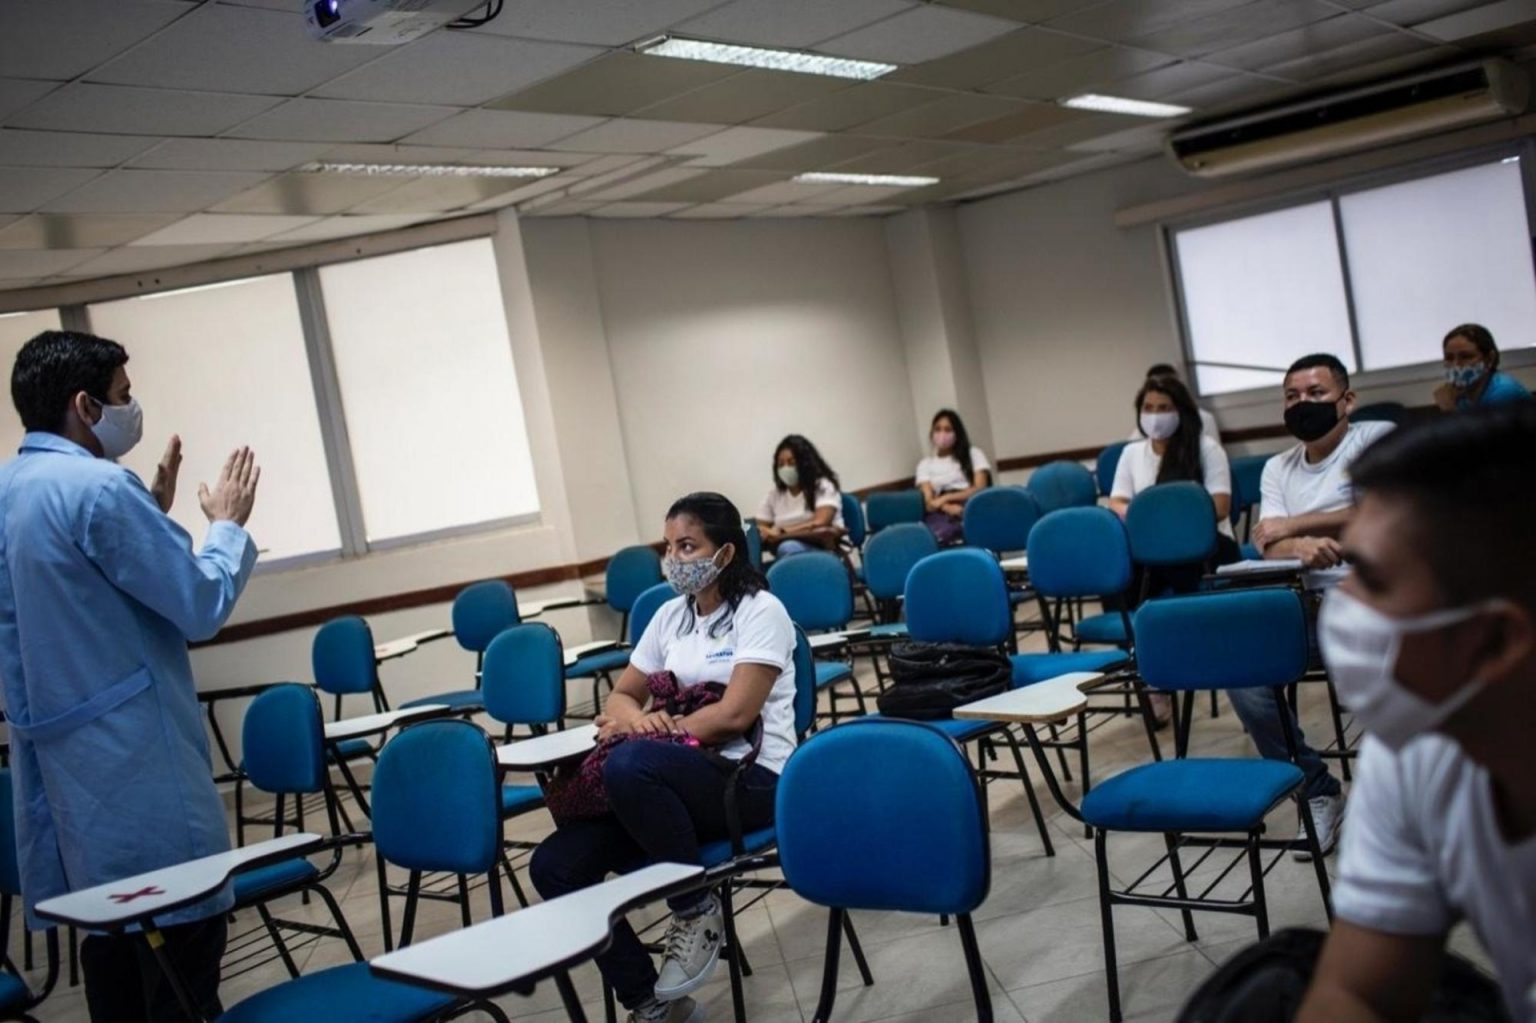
[1432,643]
[100,591]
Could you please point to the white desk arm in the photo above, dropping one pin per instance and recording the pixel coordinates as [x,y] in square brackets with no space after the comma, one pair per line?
[372,724]
[1048,702]
[545,751]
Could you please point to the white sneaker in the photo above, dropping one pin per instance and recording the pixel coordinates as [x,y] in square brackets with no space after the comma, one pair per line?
[692,950]
[1327,813]
[684,1010]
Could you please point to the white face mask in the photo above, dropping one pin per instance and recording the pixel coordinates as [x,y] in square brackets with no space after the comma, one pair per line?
[119,429]
[1361,646]
[1160,425]
[789,475]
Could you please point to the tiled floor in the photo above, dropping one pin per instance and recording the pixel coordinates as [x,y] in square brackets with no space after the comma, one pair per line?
[1038,930]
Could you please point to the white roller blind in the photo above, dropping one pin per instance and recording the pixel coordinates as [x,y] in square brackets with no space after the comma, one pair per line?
[1262,291]
[16,329]
[424,363]
[222,366]
[1427,255]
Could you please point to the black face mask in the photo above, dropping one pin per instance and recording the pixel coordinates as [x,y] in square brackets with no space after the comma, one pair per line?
[1310,420]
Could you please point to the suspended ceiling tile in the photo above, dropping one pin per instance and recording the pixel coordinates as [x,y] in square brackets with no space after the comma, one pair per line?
[1480,20]
[637,210]
[128,110]
[615,85]
[1348,72]
[899,159]
[735,144]
[483,68]
[783,192]
[233,228]
[24,189]
[712,186]
[529,158]
[334,120]
[866,211]
[80,231]
[153,191]
[632,135]
[128,260]
[1034,117]
[1089,126]
[795,210]
[1164,81]
[1022,10]
[848,107]
[524,193]
[1300,42]
[628,172]
[1080,73]
[349,226]
[995,165]
[308,194]
[42,262]
[600,165]
[942,117]
[219,48]
[437,195]
[1411,12]
[228,154]
[17,93]
[385,152]
[598,22]
[62,39]
[1131,19]
[859,194]
[1348,58]
[501,129]
[625,187]
[924,33]
[1228,92]
[1147,138]
[568,208]
[815,155]
[992,61]
[20,148]
[744,97]
[1236,26]
[791,23]
[717,211]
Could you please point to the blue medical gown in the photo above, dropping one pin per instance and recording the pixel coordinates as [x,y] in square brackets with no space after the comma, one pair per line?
[100,592]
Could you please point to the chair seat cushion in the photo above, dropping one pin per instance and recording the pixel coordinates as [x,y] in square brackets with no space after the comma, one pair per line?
[1191,795]
[459,699]
[596,664]
[267,881]
[1031,668]
[341,994]
[516,799]
[1104,628]
[13,993]
[351,749]
[889,630]
[955,728]
[712,854]
[830,672]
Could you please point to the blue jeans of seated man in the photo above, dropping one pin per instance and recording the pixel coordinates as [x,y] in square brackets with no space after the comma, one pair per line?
[788,547]
[667,800]
[1259,710]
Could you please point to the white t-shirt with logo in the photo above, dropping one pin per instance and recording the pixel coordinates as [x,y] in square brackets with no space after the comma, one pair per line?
[1423,849]
[1290,486]
[1139,465]
[758,632]
[782,508]
[944,473]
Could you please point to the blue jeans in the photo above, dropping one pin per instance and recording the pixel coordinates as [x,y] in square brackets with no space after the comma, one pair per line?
[1259,710]
[667,800]
[788,547]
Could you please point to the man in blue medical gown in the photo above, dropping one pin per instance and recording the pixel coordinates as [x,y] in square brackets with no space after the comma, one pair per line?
[100,591]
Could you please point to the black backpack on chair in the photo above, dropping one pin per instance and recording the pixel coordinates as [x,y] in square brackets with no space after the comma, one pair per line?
[929,680]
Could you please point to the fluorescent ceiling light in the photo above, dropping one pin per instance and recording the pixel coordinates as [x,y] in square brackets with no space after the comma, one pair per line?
[773,60]
[888,180]
[1121,105]
[428,170]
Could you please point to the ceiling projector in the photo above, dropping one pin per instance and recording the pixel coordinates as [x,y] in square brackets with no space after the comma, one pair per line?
[381,22]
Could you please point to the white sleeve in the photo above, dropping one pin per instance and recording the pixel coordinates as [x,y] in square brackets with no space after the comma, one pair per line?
[925,471]
[1125,478]
[979,463]
[1387,879]
[650,654]
[1271,491]
[765,510]
[764,633]
[828,496]
[1215,467]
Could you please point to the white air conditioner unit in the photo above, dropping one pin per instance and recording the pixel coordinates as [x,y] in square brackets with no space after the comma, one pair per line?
[1362,118]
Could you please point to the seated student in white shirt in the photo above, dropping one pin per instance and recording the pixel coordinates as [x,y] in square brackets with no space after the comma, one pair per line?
[804,510]
[1207,421]
[951,476]
[668,798]
[1432,643]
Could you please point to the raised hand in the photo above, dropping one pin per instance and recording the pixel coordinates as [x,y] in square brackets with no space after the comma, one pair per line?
[233,496]
[163,487]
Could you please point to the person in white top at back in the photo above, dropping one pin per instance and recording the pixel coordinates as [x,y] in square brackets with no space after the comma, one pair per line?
[951,476]
[1431,642]
[804,510]
[1208,424]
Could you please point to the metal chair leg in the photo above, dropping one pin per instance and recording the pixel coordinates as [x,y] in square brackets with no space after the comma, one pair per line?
[1171,841]
[829,967]
[568,996]
[1256,868]
[1106,911]
[974,969]
[1310,827]
[277,941]
[857,950]
[1029,790]
[733,955]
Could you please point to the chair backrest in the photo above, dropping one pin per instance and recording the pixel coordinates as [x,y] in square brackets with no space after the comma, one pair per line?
[1247,474]
[805,684]
[1171,524]
[958,596]
[909,836]
[1063,485]
[645,608]
[1079,552]
[890,555]
[888,507]
[10,864]
[283,741]
[1234,639]
[631,571]
[1381,411]
[754,542]
[1106,464]
[853,519]
[999,519]
[481,611]
[342,657]
[814,589]
[523,677]
[437,799]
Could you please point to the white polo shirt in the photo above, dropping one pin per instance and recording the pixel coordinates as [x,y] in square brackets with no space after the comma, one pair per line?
[944,473]
[708,649]
[1139,465]
[782,508]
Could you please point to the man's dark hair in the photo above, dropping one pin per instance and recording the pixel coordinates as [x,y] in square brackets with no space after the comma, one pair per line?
[1468,479]
[1162,369]
[55,366]
[1329,362]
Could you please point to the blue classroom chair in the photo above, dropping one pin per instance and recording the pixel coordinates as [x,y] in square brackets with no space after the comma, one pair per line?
[1058,485]
[480,612]
[631,571]
[888,507]
[1247,475]
[888,559]
[17,1000]
[1105,465]
[815,590]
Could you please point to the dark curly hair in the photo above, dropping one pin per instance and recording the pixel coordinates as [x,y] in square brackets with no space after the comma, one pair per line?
[1182,459]
[810,465]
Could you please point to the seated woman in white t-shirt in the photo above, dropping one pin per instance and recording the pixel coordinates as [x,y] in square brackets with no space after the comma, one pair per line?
[804,510]
[668,798]
[951,476]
